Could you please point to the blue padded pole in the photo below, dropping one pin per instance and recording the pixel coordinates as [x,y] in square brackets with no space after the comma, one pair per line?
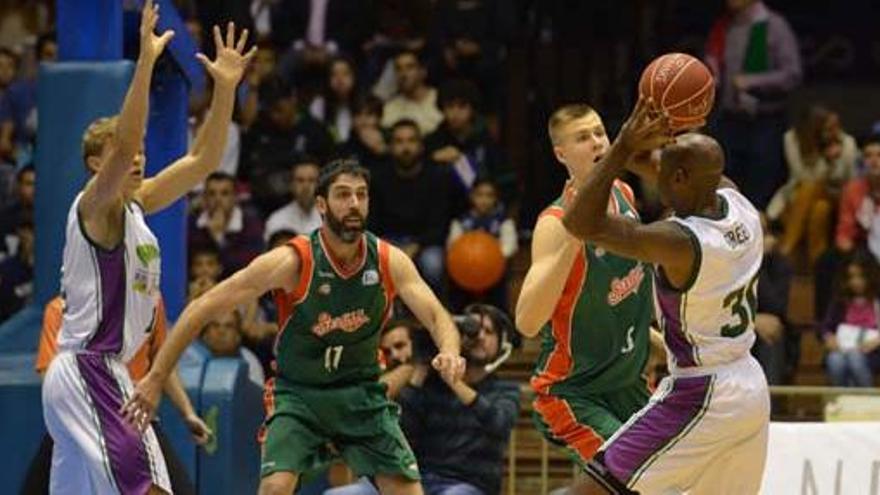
[89,30]
[166,142]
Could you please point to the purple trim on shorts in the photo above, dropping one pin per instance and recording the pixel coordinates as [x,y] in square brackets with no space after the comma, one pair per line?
[111,270]
[670,305]
[658,428]
[127,454]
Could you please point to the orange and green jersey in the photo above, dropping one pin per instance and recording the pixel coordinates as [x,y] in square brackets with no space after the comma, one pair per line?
[330,323]
[597,337]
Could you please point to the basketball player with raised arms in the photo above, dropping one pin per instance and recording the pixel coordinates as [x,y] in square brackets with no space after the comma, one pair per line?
[110,279]
[705,428]
[591,307]
[334,290]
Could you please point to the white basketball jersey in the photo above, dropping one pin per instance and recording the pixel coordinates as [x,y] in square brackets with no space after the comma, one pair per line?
[110,296]
[713,321]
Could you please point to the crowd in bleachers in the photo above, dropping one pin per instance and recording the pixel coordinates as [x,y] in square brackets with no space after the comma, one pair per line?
[417,91]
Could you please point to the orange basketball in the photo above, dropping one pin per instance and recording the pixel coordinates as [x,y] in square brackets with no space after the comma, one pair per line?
[682,86]
[474,261]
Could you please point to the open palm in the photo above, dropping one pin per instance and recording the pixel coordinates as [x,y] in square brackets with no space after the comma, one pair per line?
[230,62]
[151,44]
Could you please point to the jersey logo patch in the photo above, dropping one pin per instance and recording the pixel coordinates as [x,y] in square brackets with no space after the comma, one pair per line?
[147,253]
[621,288]
[324,289]
[347,322]
[370,277]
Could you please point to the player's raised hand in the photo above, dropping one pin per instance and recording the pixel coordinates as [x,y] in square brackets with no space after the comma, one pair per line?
[646,129]
[152,45]
[140,408]
[230,63]
[450,366]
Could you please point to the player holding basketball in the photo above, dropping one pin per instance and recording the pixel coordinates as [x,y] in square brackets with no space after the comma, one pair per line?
[592,308]
[334,291]
[110,279]
[705,429]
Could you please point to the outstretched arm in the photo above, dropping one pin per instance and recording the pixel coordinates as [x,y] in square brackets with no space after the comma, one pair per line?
[427,308]
[276,269]
[553,253]
[128,137]
[207,150]
[663,243]
[174,388]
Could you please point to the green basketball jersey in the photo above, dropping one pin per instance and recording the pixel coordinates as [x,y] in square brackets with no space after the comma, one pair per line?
[597,338]
[330,323]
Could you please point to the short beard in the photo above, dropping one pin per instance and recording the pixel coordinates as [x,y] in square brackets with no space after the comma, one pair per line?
[347,235]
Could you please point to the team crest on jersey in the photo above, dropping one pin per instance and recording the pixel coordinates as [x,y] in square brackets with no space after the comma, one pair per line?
[370,277]
[347,322]
[146,253]
[621,288]
[324,289]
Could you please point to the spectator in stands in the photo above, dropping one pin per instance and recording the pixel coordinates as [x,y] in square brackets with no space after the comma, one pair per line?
[300,215]
[856,228]
[223,338]
[821,158]
[396,344]
[262,70]
[22,203]
[775,343]
[459,430]
[18,108]
[283,134]
[17,272]
[754,55]
[235,231]
[205,270]
[333,107]
[366,143]
[463,142]
[415,99]
[488,215]
[850,330]
[409,202]
[8,68]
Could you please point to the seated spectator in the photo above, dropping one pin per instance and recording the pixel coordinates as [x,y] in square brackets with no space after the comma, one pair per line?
[463,142]
[22,203]
[396,344]
[821,158]
[850,330]
[459,430]
[17,272]
[488,215]
[8,68]
[235,232]
[333,107]
[856,226]
[367,141]
[409,202]
[261,70]
[223,338]
[415,99]
[282,134]
[775,344]
[205,270]
[300,215]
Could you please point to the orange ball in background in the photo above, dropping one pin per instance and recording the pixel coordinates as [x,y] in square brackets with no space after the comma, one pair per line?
[475,262]
[681,85]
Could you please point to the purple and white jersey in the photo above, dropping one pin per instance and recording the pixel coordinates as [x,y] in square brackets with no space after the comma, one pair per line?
[712,321]
[110,296]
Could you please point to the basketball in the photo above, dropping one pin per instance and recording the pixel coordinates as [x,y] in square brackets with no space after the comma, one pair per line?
[682,86]
[475,262]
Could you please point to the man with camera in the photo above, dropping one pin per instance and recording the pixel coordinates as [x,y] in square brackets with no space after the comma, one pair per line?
[459,430]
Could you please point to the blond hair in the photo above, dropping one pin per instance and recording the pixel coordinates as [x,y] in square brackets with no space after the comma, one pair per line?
[565,114]
[97,134]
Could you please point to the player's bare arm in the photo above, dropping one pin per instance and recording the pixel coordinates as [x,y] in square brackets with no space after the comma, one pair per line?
[226,70]
[663,243]
[277,269]
[418,297]
[102,193]
[200,431]
[553,253]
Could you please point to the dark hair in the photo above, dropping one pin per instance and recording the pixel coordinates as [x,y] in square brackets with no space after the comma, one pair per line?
[305,159]
[405,122]
[485,181]
[410,325]
[335,168]
[273,90]
[278,235]
[43,40]
[331,105]
[407,51]
[11,54]
[23,170]
[873,138]
[459,90]
[220,176]
[367,102]
[203,249]
[870,271]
